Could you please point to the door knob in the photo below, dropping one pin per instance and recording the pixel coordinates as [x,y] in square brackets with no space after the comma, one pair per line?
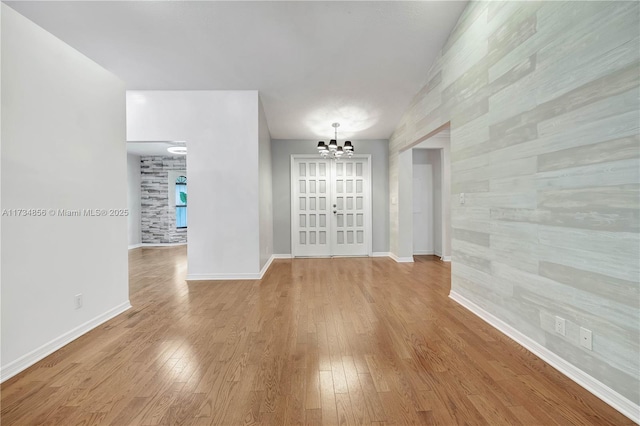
[335,211]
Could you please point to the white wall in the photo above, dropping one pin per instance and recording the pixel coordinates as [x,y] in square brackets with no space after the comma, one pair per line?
[427,201]
[133,194]
[435,157]
[423,203]
[404,249]
[222,133]
[266,190]
[63,147]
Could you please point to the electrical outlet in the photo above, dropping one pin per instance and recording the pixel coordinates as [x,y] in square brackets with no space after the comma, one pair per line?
[585,338]
[462,198]
[78,300]
[560,326]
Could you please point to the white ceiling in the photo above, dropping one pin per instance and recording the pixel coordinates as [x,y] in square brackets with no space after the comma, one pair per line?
[314,63]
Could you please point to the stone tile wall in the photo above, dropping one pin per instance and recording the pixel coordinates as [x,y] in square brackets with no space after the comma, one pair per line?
[158,218]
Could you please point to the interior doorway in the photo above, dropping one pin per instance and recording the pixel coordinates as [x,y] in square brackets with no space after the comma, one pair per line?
[427,202]
[330,206]
[440,143]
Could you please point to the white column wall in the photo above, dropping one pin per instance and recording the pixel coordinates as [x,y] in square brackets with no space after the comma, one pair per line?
[221,129]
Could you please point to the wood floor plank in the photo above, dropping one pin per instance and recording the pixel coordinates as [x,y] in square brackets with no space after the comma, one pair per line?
[312,377]
[356,394]
[378,373]
[372,398]
[316,341]
[329,410]
[313,417]
[344,409]
[295,400]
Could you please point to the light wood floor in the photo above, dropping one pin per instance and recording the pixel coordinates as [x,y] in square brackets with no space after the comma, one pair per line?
[341,341]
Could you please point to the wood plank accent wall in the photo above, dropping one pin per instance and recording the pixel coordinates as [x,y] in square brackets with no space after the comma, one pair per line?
[543,101]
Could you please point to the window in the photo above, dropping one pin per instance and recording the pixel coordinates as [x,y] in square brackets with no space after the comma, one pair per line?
[181,202]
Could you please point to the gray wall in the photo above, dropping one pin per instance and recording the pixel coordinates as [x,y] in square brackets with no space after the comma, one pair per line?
[543,101]
[158,218]
[281,151]
[133,193]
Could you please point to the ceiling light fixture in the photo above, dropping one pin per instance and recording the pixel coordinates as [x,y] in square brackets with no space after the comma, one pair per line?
[179,150]
[333,150]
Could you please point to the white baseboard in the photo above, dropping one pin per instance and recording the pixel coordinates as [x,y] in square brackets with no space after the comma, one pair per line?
[401,259]
[223,277]
[380,254]
[445,258]
[26,361]
[273,257]
[282,256]
[242,276]
[373,254]
[135,246]
[266,266]
[596,387]
[423,252]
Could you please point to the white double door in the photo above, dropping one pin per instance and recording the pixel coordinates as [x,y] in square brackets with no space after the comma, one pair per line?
[330,206]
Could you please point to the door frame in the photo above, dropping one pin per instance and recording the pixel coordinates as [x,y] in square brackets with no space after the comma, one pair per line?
[368,191]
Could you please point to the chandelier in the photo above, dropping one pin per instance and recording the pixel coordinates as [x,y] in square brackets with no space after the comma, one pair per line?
[333,150]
